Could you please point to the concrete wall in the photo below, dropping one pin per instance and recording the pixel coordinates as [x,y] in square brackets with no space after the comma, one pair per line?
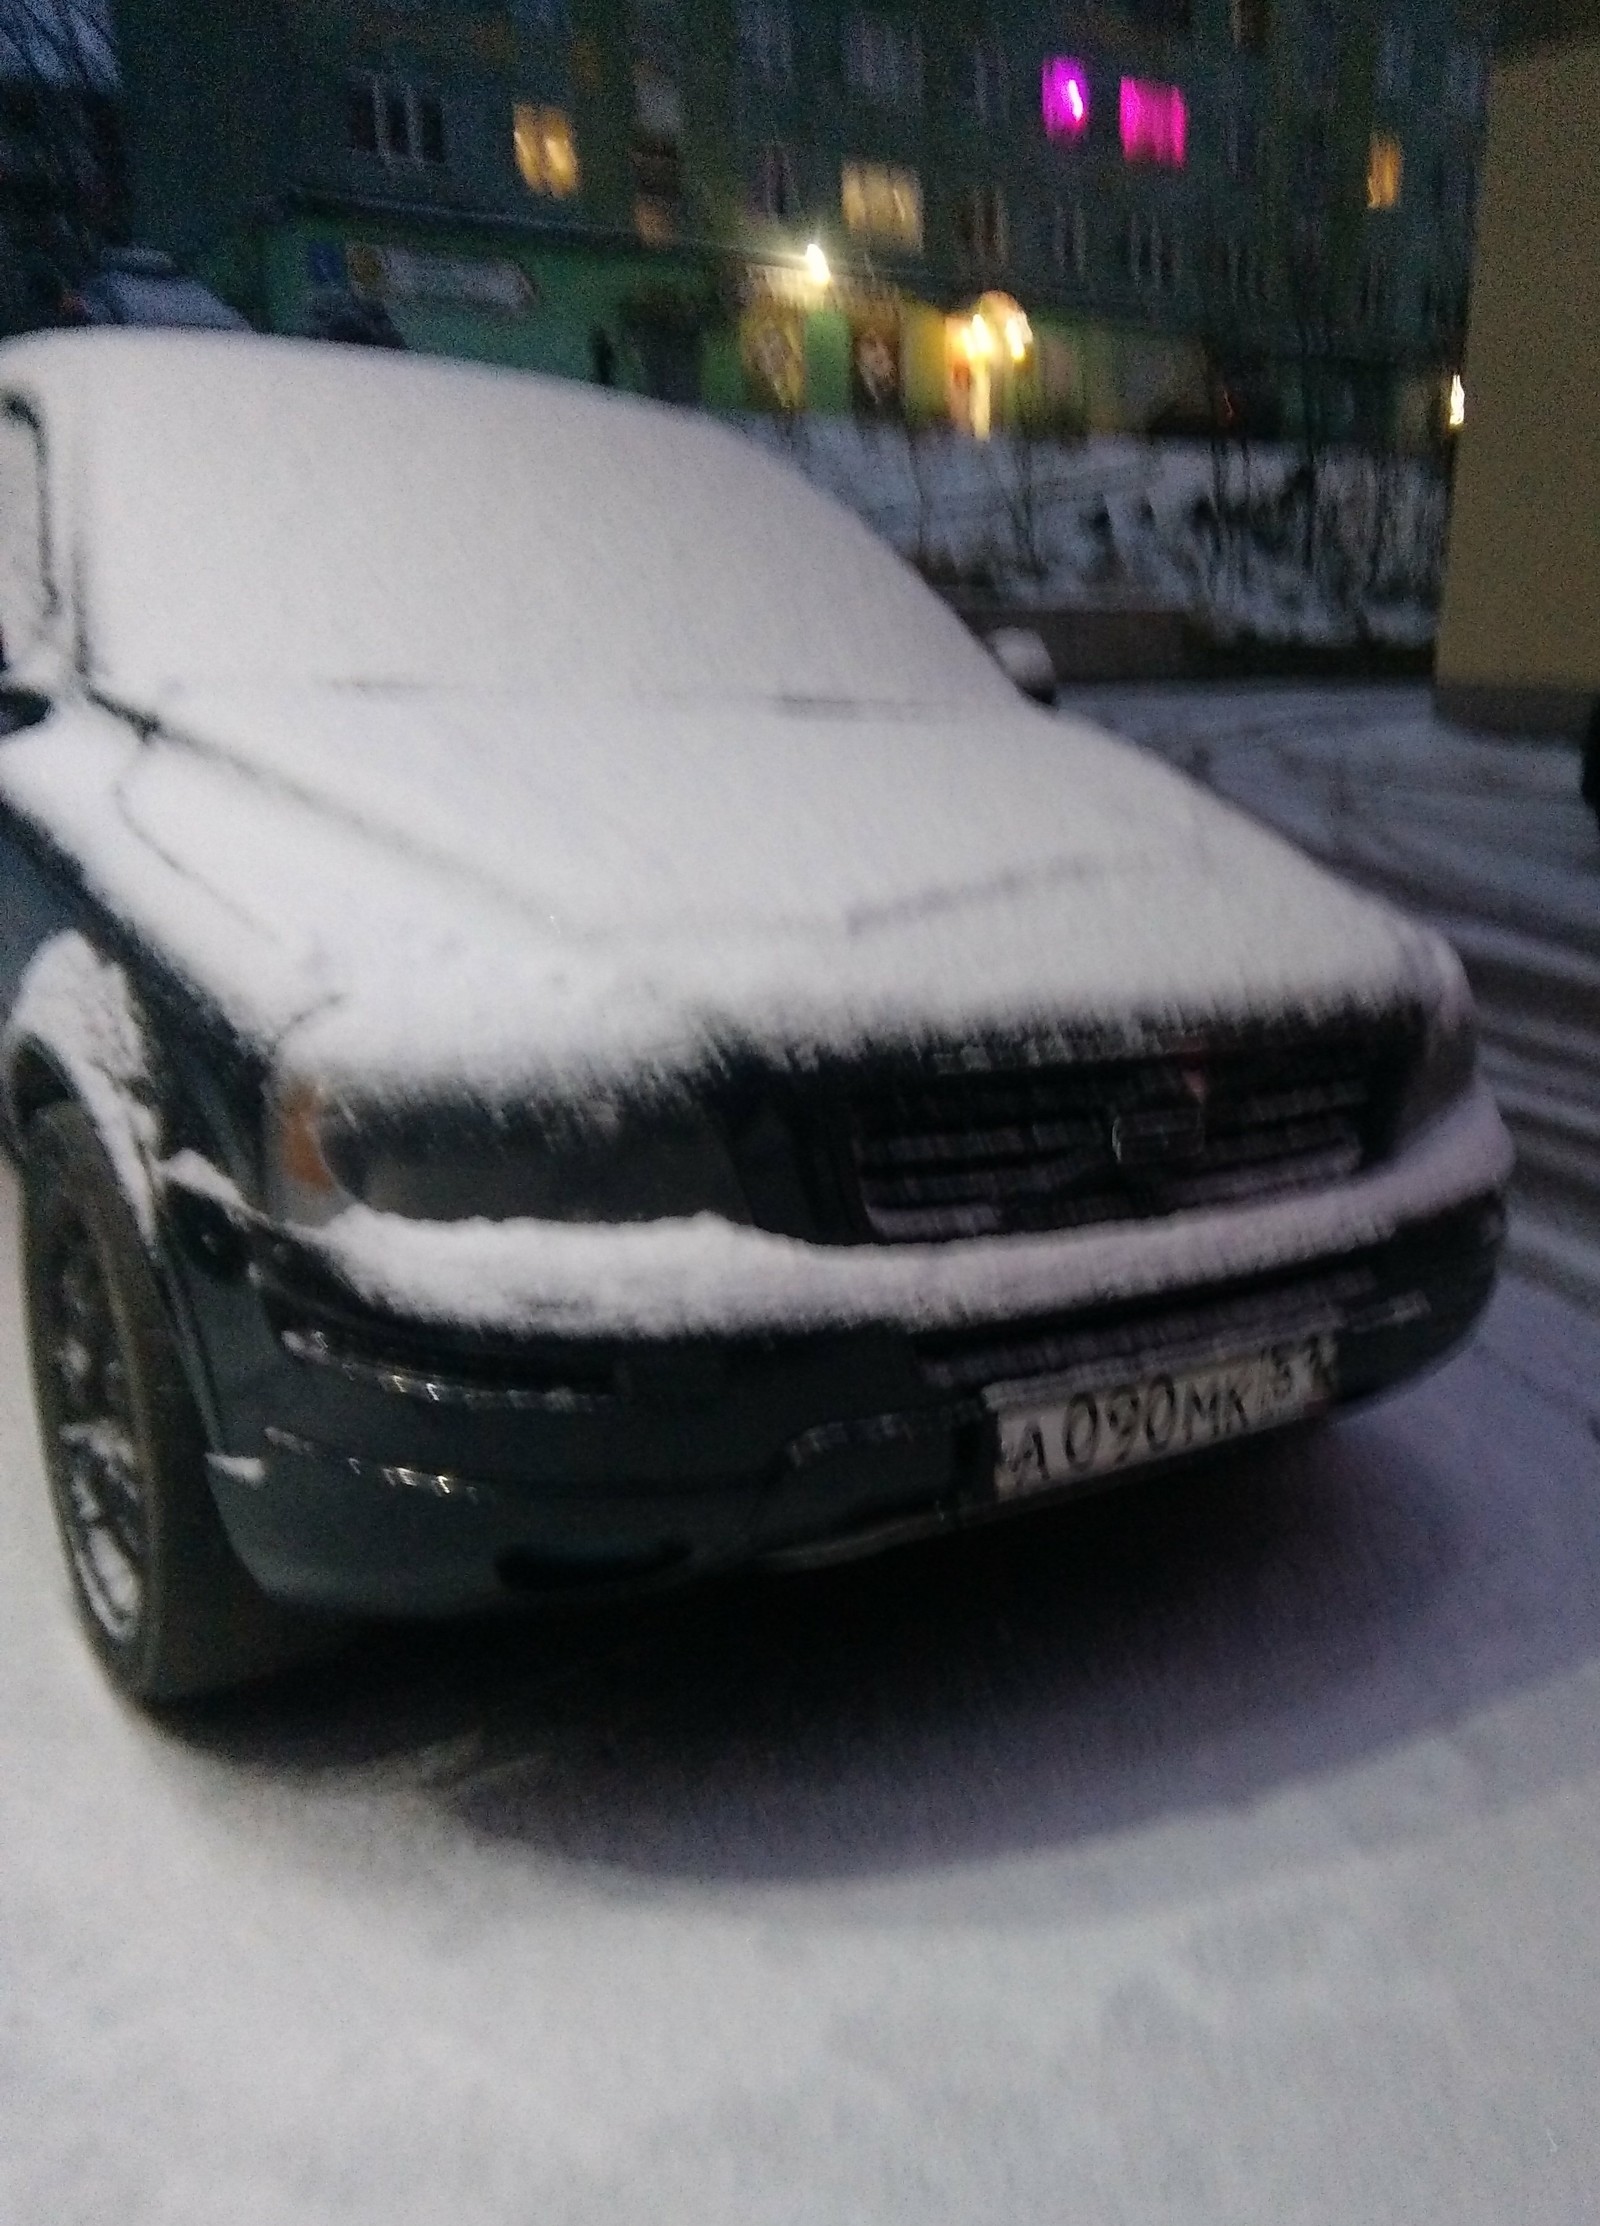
[1519,641]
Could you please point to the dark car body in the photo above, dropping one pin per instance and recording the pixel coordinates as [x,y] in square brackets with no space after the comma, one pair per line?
[863,1181]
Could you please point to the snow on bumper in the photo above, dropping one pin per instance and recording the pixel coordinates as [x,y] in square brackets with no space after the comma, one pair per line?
[705,1277]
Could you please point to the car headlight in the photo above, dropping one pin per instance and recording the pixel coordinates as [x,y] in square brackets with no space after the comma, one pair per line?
[1449,1056]
[461,1161]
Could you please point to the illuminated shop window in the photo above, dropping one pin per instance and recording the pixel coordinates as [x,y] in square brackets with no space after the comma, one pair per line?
[1064,98]
[1154,120]
[545,150]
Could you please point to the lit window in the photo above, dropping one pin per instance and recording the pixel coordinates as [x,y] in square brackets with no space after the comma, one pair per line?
[884,59]
[1385,163]
[765,47]
[881,203]
[545,151]
[397,121]
[1250,22]
[981,231]
[1154,121]
[1064,98]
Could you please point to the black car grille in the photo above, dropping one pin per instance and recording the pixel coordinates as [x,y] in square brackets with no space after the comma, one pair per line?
[997,1154]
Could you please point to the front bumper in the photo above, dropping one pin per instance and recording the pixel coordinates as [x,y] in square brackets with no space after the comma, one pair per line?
[385,1468]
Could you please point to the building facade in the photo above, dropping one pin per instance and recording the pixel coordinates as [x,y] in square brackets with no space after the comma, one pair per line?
[1113,215]
[1519,635]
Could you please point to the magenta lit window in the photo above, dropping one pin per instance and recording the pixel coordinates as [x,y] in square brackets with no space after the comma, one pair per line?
[1064,98]
[1155,123]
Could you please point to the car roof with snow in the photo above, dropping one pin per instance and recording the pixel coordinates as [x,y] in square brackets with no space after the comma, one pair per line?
[158,298]
[268,509]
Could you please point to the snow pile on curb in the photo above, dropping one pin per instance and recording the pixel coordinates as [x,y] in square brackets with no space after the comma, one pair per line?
[1050,522]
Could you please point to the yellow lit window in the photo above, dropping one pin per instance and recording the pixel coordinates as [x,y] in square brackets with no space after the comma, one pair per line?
[881,203]
[545,150]
[1384,166]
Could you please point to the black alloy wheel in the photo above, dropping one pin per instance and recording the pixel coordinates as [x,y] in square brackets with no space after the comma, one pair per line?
[102,1491]
[166,1604]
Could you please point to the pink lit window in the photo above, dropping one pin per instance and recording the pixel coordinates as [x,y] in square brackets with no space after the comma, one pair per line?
[1155,122]
[1064,98]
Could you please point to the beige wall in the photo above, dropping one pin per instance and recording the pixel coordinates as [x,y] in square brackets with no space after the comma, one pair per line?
[1522,590]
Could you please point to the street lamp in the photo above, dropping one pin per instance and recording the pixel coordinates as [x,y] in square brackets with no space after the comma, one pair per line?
[816,262]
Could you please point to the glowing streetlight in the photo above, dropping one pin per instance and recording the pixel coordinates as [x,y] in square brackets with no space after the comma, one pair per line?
[1455,415]
[816,263]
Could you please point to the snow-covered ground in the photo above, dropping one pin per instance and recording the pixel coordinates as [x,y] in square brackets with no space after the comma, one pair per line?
[1485,837]
[1220,1854]
[1042,521]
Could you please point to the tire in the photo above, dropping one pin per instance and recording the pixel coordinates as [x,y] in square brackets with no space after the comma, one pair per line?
[166,1604]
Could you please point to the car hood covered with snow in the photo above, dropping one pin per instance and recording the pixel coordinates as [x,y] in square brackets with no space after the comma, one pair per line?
[421,888]
[446,726]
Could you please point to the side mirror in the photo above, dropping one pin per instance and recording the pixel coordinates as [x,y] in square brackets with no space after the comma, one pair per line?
[1023,658]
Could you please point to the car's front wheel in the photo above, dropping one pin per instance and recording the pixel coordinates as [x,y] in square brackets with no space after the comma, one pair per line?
[168,1607]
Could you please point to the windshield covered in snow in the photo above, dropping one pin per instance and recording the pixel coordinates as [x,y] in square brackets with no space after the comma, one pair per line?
[278,513]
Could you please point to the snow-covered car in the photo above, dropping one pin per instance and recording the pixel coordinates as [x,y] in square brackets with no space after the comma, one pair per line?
[144,286]
[566,1026]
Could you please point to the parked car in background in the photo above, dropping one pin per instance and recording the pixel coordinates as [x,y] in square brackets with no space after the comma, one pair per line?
[566,1026]
[143,286]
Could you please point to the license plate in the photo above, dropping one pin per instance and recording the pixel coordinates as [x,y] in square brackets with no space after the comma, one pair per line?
[1065,1432]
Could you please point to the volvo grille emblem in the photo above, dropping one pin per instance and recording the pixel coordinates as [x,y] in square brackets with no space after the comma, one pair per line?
[1163,1135]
